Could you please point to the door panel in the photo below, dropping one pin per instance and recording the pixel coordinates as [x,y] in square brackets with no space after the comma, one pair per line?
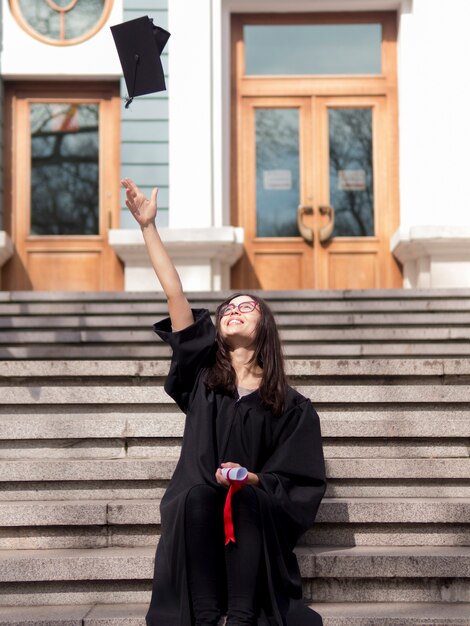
[351,270]
[64,187]
[274,176]
[354,175]
[329,155]
[49,270]
[286,266]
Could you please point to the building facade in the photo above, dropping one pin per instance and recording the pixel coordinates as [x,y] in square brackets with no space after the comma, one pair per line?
[307,144]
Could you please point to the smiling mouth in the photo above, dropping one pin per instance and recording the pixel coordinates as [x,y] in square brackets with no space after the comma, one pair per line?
[234,321]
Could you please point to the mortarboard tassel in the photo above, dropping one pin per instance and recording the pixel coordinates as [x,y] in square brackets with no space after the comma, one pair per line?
[130,98]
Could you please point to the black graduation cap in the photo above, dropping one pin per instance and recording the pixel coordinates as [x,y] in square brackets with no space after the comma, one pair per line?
[139,44]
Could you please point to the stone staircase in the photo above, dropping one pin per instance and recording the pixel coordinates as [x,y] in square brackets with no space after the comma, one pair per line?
[89,440]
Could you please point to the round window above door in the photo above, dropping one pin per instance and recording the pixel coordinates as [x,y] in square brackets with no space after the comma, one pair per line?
[61,22]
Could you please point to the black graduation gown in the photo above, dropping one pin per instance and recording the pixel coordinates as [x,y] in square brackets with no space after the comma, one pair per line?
[286,453]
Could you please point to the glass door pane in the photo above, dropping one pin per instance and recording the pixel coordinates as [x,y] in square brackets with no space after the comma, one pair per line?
[64,169]
[277,172]
[351,171]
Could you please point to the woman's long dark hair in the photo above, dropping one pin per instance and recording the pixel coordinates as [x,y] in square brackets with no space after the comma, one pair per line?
[267,355]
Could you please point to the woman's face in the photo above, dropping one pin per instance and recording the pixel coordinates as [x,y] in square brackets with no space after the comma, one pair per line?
[238,327]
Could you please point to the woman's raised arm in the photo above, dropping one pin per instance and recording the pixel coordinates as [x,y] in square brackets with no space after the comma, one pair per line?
[145,213]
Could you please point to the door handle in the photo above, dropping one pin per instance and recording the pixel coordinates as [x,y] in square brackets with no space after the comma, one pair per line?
[326,231]
[305,231]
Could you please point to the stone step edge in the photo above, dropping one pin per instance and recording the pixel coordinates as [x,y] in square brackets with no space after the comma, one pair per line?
[306,336]
[162,468]
[305,333]
[218,296]
[146,511]
[402,614]
[285,319]
[130,422]
[418,367]
[315,562]
[70,394]
[329,350]
[396,613]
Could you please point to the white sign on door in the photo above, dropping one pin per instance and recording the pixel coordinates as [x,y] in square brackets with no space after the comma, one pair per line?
[277,179]
[352,180]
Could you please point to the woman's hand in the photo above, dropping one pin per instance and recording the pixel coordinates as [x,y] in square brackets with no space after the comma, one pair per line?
[252,478]
[144,210]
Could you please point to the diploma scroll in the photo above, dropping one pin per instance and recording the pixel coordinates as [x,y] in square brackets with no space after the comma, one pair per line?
[235,473]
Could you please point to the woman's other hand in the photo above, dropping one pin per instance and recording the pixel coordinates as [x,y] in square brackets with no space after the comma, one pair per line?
[143,210]
[252,478]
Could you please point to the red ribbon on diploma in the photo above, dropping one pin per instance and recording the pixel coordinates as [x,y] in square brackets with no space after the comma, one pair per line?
[235,486]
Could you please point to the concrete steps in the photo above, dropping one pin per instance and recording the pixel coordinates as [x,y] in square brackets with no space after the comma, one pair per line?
[330,324]
[395,573]
[340,521]
[89,439]
[305,335]
[285,320]
[332,510]
[161,468]
[388,614]
[78,346]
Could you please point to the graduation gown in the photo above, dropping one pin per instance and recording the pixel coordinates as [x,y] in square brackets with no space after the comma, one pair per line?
[285,452]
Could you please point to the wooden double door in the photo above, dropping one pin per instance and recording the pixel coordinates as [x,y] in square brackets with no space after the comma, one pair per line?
[62,186]
[314,150]
[316,195]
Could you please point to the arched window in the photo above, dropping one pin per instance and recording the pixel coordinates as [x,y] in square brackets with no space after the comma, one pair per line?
[61,22]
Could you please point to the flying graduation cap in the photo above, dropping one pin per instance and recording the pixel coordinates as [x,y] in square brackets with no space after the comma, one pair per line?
[139,44]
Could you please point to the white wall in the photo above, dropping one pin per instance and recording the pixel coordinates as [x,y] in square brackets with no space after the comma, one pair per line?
[434,119]
[190,118]
[22,56]
[433,240]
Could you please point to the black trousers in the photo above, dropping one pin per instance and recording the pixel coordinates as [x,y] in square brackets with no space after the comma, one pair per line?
[212,566]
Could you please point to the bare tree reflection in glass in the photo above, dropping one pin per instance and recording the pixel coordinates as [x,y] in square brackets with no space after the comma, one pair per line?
[64,169]
[351,171]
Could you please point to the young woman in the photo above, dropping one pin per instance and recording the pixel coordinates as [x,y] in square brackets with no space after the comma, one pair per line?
[221,551]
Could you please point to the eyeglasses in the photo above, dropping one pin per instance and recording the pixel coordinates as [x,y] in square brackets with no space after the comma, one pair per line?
[243,307]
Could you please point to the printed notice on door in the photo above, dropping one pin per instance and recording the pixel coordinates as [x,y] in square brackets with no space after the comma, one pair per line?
[352,180]
[279,180]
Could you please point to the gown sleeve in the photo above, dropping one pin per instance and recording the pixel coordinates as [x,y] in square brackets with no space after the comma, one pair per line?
[294,475]
[193,350]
